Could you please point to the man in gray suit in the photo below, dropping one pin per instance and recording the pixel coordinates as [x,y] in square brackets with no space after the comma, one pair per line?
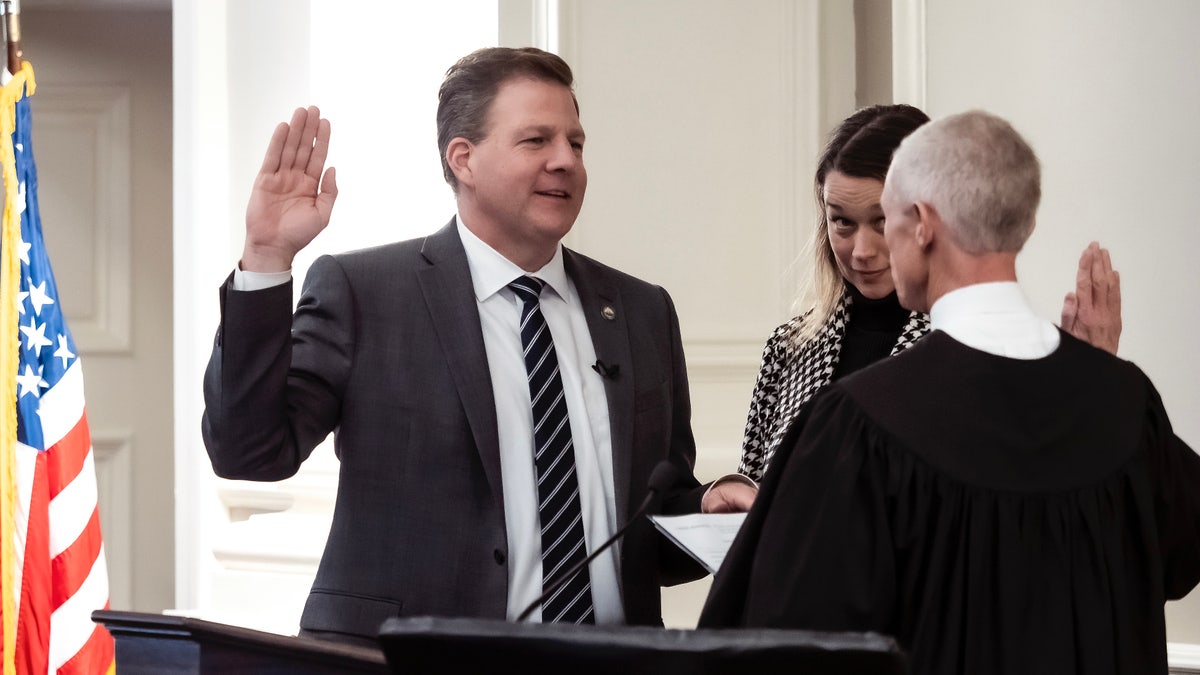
[498,402]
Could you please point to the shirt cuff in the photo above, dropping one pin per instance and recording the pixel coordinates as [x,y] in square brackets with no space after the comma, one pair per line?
[256,281]
[732,478]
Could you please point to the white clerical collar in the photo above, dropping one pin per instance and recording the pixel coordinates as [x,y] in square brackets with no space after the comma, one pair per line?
[994,318]
[491,271]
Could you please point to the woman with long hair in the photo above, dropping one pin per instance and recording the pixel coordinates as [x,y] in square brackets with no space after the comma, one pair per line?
[854,317]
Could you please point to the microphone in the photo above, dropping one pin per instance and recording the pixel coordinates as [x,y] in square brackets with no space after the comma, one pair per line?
[662,477]
[606,371]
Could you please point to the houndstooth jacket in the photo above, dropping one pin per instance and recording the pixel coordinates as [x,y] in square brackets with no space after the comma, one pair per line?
[791,374]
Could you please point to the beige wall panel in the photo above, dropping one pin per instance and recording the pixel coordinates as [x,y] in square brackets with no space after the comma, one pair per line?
[690,176]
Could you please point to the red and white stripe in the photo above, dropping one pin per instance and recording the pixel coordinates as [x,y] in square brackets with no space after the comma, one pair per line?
[60,570]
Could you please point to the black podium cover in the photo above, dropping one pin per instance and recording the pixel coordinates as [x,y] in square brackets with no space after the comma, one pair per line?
[438,645]
[154,644]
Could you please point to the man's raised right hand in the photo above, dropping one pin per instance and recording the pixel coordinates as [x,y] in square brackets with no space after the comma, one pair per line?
[291,201]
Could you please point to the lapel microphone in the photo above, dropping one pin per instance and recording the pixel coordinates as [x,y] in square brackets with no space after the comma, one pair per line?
[606,371]
[662,477]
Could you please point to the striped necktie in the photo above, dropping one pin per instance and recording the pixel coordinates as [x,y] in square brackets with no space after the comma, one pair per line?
[554,458]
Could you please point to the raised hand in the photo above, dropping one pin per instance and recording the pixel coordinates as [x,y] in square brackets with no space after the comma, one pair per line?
[291,201]
[1093,311]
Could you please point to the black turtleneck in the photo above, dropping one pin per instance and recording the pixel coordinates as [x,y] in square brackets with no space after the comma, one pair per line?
[872,331]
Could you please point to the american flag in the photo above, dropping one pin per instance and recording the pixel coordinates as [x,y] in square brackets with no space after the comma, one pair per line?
[54,574]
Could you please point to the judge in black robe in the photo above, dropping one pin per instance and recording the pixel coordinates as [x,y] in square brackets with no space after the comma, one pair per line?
[1001,498]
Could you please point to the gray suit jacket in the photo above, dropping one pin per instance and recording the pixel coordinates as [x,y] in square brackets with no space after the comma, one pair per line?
[386,351]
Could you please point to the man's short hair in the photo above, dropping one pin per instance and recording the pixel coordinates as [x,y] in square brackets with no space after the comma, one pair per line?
[978,173]
[466,94]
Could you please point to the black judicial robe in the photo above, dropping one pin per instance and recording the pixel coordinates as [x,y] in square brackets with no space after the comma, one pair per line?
[994,515]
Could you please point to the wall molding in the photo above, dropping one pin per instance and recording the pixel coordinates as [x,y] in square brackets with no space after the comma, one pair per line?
[311,490]
[818,85]
[1183,658]
[103,112]
[536,23]
[800,110]
[288,543]
[547,26]
[718,361]
[909,65]
[112,454]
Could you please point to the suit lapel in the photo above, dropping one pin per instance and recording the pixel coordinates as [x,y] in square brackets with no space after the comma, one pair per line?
[607,323]
[450,298]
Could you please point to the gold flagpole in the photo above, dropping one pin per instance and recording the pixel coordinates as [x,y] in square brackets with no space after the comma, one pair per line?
[9,269]
[12,26]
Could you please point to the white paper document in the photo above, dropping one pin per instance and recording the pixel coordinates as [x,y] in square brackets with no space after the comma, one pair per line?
[704,536]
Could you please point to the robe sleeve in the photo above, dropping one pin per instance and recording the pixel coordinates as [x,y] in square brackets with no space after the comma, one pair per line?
[1175,470]
[815,551]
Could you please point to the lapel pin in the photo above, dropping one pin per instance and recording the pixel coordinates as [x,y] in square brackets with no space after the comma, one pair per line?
[608,312]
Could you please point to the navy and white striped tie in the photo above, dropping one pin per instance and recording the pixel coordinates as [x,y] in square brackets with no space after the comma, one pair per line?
[554,457]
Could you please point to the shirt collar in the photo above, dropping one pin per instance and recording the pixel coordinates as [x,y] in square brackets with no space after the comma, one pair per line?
[996,318]
[978,300]
[491,272]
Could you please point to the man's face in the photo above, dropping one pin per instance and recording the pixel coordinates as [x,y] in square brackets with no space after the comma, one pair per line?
[527,174]
[910,270]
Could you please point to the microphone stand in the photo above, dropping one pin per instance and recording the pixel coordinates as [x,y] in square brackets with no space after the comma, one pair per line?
[662,476]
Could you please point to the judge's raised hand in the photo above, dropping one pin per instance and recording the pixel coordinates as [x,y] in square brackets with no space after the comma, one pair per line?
[1093,311]
[291,201]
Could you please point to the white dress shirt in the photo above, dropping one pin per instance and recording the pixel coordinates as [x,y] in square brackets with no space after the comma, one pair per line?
[256,281]
[995,318]
[587,406]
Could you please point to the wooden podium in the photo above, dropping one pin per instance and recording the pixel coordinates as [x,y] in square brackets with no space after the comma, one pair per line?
[153,644]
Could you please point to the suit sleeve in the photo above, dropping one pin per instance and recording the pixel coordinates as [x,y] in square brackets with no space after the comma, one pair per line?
[675,566]
[274,381]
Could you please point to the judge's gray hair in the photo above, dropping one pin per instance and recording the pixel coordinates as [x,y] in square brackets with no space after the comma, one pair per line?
[978,173]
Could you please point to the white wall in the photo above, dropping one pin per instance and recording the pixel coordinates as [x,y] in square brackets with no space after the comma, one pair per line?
[1108,95]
